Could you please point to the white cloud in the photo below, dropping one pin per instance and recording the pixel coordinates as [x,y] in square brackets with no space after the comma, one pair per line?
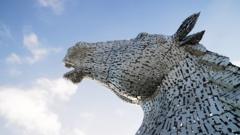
[37,54]
[73,131]
[34,47]
[28,111]
[13,58]
[30,108]
[59,88]
[55,5]
[30,40]
[78,132]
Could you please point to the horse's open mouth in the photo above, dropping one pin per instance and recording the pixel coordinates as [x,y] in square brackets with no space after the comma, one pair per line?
[75,75]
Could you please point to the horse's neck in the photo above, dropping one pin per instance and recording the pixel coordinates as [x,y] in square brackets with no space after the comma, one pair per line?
[186,102]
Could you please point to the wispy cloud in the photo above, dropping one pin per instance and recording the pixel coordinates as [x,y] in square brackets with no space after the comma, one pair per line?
[56,5]
[5,34]
[30,108]
[34,46]
[13,58]
[31,42]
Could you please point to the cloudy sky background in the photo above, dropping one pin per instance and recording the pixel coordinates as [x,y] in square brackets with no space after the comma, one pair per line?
[34,36]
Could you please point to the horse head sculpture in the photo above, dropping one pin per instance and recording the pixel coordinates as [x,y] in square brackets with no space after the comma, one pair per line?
[180,85]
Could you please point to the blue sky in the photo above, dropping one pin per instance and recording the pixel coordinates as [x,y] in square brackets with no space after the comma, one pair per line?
[34,36]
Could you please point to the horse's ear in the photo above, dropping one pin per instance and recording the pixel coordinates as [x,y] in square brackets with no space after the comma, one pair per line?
[192,39]
[186,27]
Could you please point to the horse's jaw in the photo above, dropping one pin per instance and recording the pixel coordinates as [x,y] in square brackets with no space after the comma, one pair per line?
[75,75]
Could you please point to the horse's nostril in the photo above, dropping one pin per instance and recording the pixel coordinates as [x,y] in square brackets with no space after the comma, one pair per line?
[68,65]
